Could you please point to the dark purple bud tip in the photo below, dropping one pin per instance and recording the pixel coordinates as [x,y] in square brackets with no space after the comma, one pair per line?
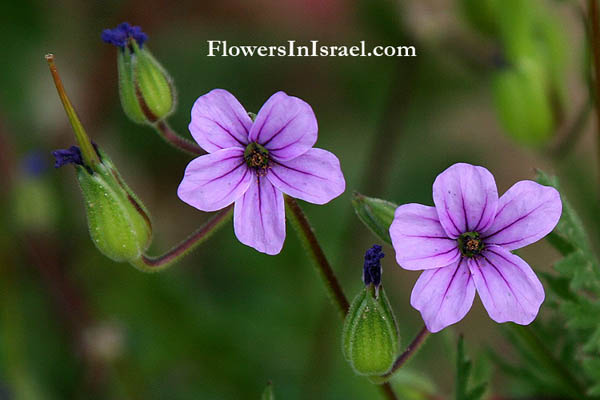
[72,155]
[121,35]
[372,266]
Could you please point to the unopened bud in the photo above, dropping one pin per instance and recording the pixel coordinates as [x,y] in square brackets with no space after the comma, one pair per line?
[118,221]
[370,333]
[523,103]
[146,89]
[376,214]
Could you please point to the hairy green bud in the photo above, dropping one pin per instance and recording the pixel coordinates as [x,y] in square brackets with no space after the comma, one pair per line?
[376,214]
[118,221]
[146,89]
[370,334]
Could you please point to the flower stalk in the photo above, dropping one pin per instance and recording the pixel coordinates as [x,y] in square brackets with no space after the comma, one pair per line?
[307,235]
[177,141]
[152,264]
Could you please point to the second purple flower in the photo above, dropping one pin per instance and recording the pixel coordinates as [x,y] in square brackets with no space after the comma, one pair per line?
[252,163]
[464,246]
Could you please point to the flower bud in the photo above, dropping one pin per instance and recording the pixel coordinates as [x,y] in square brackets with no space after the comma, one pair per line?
[376,214]
[118,222]
[146,89]
[370,333]
[523,103]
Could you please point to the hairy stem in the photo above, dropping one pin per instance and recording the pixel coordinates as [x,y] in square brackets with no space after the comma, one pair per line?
[412,348]
[307,235]
[158,263]
[179,142]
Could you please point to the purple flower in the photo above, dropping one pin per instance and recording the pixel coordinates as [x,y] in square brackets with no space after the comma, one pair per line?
[463,244]
[252,163]
[120,35]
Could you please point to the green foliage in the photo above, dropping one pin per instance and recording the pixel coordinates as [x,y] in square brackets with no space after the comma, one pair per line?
[463,372]
[560,358]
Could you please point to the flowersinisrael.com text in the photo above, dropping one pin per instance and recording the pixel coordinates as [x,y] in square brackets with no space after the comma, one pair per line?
[314,49]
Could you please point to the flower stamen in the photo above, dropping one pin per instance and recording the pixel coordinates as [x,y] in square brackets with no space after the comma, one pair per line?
[470,245]
[257,158]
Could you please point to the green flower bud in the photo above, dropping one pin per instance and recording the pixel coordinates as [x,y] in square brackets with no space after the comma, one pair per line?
[523,103]
[376,214]
[370,334]
[146,89]
[118,221]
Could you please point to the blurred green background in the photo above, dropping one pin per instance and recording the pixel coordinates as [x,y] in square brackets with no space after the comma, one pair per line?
[226,320]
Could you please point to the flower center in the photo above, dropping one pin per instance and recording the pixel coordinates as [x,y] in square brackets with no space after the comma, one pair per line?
[470,245]
[257,158]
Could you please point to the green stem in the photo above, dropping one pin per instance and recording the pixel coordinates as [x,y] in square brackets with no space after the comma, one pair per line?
[159,263]
[87,150]
[307,235]
[179,142]
[545,358]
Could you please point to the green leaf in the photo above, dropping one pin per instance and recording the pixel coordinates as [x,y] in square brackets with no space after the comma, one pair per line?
[570,228]
[463,372]
[376,214]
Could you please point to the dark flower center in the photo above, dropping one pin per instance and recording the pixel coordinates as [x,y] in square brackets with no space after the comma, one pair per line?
[257,158]
[470,245]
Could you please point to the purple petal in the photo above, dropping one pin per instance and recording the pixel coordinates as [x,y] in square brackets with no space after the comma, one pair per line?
[219,121]
[315,176]
[466,198]
[508,288]
[526,213]
[419,240]
[259,217]
[215,180]
[443,295]
[286,126]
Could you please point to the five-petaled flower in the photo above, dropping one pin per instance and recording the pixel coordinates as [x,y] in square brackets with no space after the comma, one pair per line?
[463,244]
[252,163]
